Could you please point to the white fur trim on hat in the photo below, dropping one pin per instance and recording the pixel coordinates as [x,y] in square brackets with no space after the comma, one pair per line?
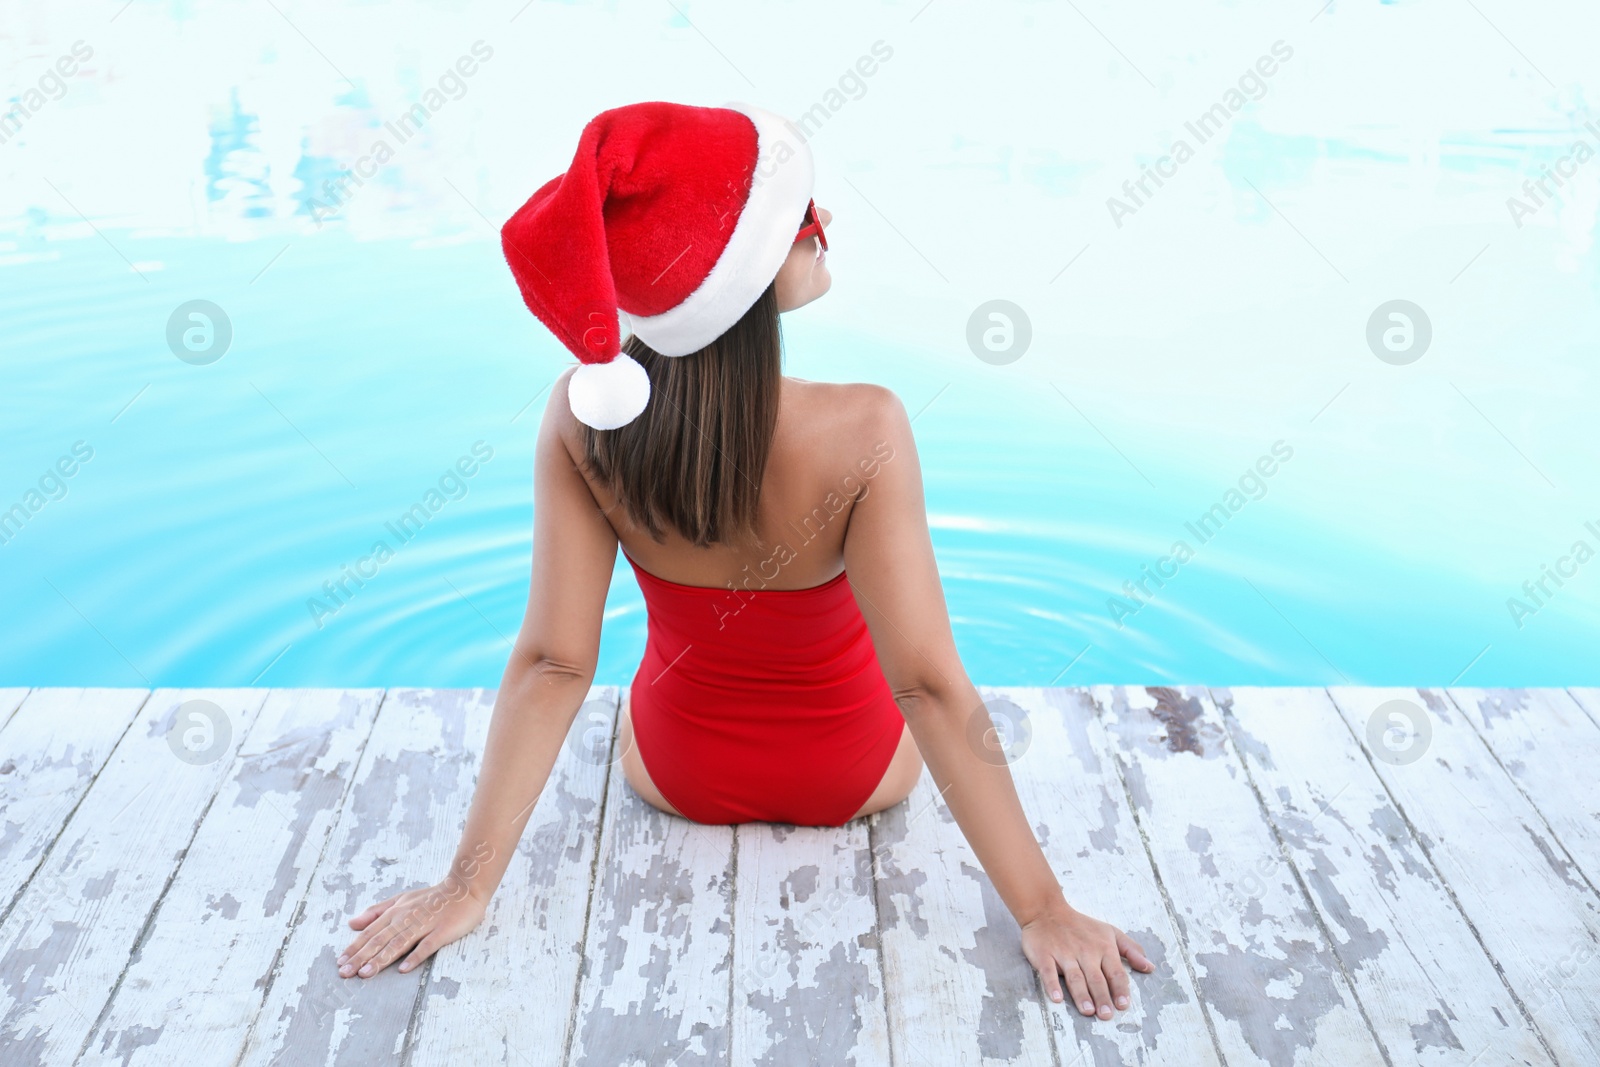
[761,240]
[608,395]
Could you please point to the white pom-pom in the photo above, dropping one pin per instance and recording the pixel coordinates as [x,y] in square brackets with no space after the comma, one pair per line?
[608,395]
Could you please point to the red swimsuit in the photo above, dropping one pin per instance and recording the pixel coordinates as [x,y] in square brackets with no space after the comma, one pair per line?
[761,705]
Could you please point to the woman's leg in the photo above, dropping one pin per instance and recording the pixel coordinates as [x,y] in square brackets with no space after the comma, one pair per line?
[633,769]
[899,779]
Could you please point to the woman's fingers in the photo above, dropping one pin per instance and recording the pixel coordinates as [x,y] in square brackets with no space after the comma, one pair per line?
[358,922]
[1134,951]
[1078,987]
[1116,979]
[388,948]
[364,961]
[403,938]
[358,955]
[1097,987]
[1089,956]
[1049,975]
[1046,969]
[425,948]
[347,959]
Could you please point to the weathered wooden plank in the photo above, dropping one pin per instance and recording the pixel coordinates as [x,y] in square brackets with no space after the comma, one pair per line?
[1551,750]
[398,830]
[81,915]
[658,955]
[1589,700]
[1061,761]
[198,977]
[99,890]
[504,993]
[807,986]
[10,701]
[1431,992]
[960,989]
[51,748]
[1272,985]
[1531,909]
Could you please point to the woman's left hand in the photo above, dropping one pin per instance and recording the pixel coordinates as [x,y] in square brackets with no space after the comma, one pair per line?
[1089,952]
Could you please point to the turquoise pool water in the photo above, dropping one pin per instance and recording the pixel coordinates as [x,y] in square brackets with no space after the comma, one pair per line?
[1220,331]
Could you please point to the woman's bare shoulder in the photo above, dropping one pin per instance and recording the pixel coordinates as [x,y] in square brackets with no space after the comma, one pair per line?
[834,409]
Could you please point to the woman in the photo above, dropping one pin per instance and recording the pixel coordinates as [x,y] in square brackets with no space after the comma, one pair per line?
[772,688]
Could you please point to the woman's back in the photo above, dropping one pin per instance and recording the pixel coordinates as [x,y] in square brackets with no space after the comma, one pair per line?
[759,695]
[829,444]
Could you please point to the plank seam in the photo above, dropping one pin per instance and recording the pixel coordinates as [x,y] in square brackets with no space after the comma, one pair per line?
[1161,886]
[275,968]
[877,934]
[1494,755]
[1581,707]
[67,820]
[408,1048]
[594,878]
[1041,998]
[733,932]
[1449,889]
[1226,714]
[149,925]
[12,714]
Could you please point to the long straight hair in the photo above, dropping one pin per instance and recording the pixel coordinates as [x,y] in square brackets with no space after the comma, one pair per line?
[693,460]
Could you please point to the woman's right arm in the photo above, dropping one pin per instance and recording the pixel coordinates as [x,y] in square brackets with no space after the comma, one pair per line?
[546,679]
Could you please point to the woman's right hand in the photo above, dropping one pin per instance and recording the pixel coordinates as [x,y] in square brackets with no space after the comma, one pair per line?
[420,920]
[1064,941]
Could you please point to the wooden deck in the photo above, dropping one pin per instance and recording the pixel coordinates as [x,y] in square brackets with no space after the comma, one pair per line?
[1316,885]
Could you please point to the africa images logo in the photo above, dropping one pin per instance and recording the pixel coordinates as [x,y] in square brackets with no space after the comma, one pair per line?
[1203,127]
[1137,591]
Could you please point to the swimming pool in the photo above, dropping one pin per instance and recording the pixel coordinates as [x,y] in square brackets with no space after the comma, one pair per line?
[202,498]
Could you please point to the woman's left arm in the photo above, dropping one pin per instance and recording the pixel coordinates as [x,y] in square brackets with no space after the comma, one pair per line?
[889,557]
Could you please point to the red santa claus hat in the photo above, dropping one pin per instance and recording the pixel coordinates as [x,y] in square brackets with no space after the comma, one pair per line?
[678,215]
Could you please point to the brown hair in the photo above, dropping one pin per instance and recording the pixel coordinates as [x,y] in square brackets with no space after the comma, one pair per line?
[693,460]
